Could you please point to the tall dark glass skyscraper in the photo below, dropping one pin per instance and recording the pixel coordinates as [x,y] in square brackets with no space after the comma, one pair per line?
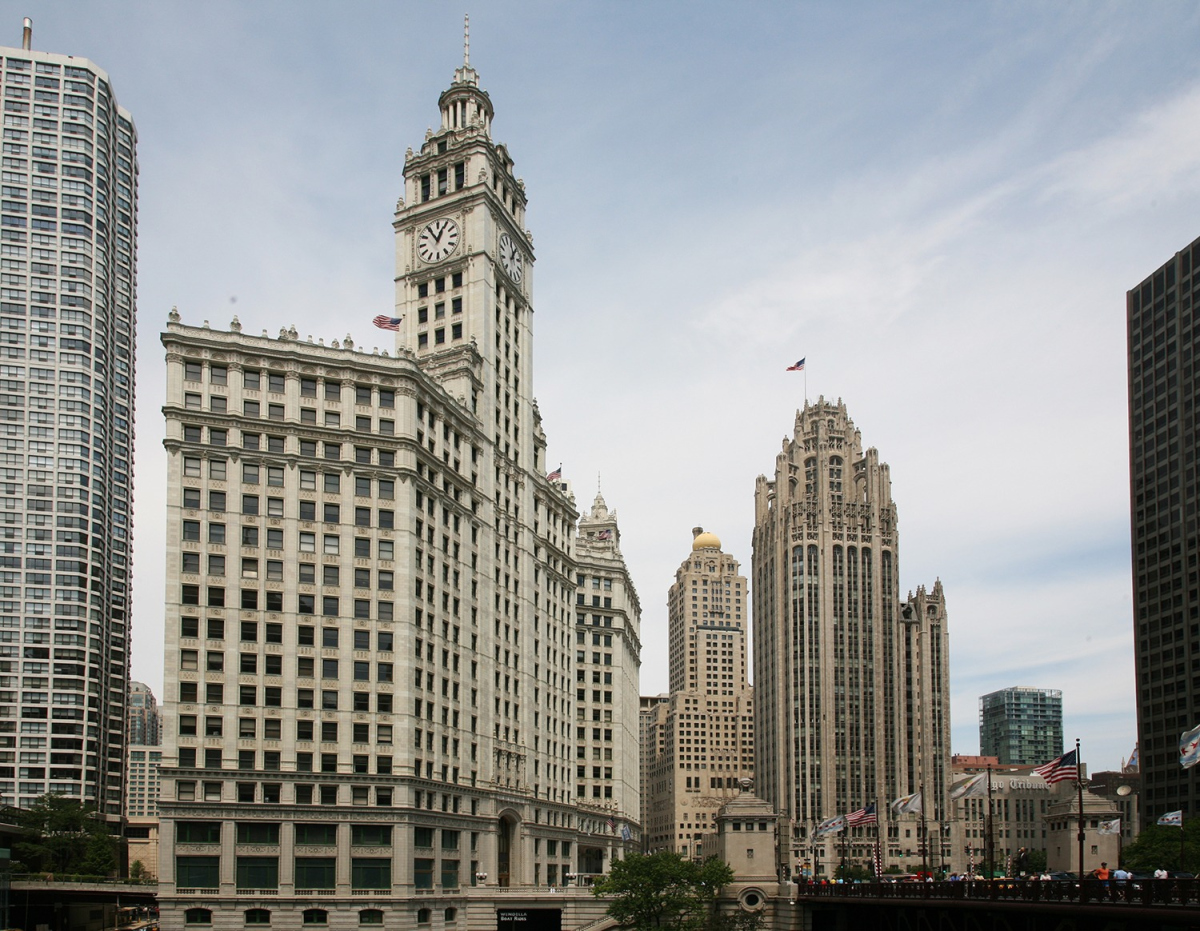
[1164,392]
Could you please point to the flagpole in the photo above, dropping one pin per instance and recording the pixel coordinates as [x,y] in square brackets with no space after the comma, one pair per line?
[1079,784]
[990,845]
[924,838]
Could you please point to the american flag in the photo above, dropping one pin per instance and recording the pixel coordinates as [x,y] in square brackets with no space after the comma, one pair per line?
[798,367]
[604,535]
[555,476]
[1060,769]
[387,323]
[612,825]
[862,816]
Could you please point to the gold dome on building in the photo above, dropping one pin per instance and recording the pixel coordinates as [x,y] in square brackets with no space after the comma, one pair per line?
[704,541]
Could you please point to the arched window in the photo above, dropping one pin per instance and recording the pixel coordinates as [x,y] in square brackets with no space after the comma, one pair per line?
[197,916]
[315,916]
[423,916]
[258,916]
[370,916]
[450,915]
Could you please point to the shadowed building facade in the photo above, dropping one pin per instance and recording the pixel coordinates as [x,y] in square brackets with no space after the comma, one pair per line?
[1164,396]
[852,681]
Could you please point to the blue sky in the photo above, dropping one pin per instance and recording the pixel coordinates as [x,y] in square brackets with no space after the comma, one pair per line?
[939,204]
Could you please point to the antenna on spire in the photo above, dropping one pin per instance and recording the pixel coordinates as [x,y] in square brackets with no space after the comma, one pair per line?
[466,40]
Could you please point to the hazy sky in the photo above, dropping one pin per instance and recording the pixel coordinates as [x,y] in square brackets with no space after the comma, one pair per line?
[941,205]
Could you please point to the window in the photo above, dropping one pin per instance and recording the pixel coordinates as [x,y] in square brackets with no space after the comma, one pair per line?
[332,482]
[255,916]
[316,835]
[194,916]
[423,875]
[258,873]
[370,916]
[315,872]
[198,873]
[316,916]
[251,380]
[370,873]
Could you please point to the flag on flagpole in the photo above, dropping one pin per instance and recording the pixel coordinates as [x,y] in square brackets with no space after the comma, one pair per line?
[862,816]
[1172,819]
[1109,827]
[385,322]
[626,834]
[908,805]
[604,535]
[1132,765]
[556,475]
[1189,748]
[834,825]
[975,787]
[798,367]
[612,826]
[1059,769]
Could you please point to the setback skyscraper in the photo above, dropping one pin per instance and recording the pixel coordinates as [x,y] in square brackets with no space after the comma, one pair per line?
[853,699]
[372,636]
[68,253]
[1164,395]
[698,742]
[1021,726]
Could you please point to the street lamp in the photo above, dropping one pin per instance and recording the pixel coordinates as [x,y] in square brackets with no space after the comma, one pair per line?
[481,877]
[571,878]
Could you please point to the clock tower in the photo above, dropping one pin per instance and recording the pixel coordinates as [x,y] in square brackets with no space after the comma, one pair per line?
[464,263]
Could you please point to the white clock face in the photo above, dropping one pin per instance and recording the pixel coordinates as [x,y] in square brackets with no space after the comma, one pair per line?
[510,257]
[438,240]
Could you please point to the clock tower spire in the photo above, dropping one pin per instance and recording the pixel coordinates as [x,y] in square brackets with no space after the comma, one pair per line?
[463,265]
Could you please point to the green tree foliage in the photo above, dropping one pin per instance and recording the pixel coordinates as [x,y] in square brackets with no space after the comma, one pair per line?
[1158,846]
[663,890]
[63,836]
[1036,862]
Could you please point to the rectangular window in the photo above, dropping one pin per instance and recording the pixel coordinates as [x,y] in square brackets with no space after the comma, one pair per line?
[371,873]
[315,872]
[202,872]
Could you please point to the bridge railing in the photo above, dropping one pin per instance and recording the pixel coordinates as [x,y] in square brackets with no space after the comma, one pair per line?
[1139,892]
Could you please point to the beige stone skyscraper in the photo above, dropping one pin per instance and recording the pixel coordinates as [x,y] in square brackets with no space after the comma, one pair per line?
[608,620]
[853,681]
[699,742]
[371,636]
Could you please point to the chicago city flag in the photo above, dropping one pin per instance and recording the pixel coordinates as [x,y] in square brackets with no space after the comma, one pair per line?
[833,825]
[1189,748]
[1172,819]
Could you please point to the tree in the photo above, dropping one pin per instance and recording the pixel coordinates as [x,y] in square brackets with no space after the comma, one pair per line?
[1036,861]
[1158,846]
[63,836]
[662,890]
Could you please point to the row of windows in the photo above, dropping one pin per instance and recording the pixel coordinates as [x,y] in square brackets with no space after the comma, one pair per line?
[277,444]
[214,694]
[276,383]
[327,796]
[439,336]
[311,917]
[273,633]
[305,510]
[250,536]
[273,665]
[273,569]
[331,605]
[308,415]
